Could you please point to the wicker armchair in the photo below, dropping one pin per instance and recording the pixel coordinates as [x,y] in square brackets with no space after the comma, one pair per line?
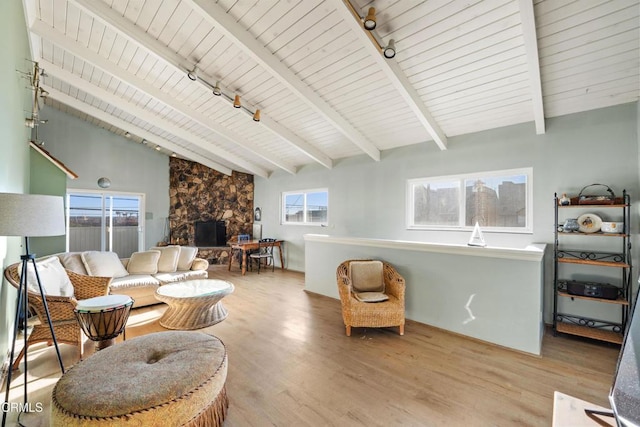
[65,325]
[375,315]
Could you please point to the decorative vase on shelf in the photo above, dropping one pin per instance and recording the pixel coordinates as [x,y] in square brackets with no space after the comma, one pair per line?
[570,225]
[564,200]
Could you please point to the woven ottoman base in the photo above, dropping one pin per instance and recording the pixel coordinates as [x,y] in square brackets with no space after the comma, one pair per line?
[171,378]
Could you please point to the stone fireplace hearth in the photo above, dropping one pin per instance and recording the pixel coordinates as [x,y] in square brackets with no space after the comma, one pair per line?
[200,194]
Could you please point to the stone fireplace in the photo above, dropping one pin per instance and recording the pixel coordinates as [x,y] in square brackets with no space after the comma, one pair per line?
[221,205]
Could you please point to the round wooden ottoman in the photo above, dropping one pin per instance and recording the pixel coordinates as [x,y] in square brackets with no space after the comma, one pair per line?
[173,378]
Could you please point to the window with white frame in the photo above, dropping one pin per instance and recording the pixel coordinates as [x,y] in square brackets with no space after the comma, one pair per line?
[497,200]
[307,207]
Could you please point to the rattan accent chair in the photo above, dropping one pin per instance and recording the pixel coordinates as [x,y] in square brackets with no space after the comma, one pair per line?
[65,324]
[384,314]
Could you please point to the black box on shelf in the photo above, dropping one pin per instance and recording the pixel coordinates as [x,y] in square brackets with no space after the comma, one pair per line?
[592,289]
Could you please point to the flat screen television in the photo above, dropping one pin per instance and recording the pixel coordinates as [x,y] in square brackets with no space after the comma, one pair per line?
[625,392]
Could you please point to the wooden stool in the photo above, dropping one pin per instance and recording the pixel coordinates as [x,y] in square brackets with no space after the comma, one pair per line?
[173,378]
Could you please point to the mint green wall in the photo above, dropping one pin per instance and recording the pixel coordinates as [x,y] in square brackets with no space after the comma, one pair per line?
[93,152]
[14,137]
[46,178]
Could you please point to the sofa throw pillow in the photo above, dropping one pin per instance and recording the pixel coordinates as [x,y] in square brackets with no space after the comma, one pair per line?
[168,262]
[187,255]
[73,261]
[53,278]
[366,276]
[143,262]
[104,264]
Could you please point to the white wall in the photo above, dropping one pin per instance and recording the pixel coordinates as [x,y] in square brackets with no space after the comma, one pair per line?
[93,152]
[367,198]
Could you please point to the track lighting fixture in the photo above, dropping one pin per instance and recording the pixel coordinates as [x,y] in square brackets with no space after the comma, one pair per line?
[390,50]
[370,20]
[193,74]
[216,89]
[369,23]
[127,135]
[174,154]
[143,142]
[158,148]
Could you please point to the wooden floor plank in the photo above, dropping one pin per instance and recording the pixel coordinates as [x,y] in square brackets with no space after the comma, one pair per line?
[291,364]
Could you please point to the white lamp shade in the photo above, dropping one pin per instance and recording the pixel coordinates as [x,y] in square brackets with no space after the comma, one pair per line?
[31,215]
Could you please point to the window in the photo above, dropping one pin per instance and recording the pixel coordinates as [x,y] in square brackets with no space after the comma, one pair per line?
[498,201]
[307,207]
[105,221]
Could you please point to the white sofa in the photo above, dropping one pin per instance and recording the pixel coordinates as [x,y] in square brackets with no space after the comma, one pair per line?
[140,275]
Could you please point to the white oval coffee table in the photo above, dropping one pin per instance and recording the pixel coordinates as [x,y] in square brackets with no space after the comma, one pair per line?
[193,304]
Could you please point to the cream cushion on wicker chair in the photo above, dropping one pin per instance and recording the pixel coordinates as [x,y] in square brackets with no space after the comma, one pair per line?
[371,296]
[143,262]
[53,278]
[366,276]
[367,281]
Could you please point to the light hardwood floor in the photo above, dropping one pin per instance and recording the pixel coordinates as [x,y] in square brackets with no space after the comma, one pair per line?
[291,364]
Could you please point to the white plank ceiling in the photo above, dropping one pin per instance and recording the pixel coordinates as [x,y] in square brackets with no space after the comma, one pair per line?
[323,88]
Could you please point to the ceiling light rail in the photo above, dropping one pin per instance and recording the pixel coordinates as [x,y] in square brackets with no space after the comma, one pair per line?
[217,91]
[369,23]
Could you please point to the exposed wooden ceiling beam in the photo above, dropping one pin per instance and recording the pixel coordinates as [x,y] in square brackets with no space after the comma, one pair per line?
[127,29]
[297,142]
[230,28]
[30,16]
[64,168]
[152,118]
[45,31]
[393,72]
[122,124]
[108,67]
[533,62]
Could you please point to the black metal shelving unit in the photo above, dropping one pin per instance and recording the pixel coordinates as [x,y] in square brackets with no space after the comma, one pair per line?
[574,324]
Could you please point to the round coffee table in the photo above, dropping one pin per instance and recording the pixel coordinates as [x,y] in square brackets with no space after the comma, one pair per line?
[193,304]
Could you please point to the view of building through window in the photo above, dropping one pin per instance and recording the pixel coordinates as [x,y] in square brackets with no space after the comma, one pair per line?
[493,200]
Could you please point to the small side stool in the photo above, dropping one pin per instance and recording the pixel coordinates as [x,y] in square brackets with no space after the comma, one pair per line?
[173,378]
[103,318]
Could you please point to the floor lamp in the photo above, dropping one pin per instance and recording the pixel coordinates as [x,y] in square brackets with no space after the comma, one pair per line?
[29,215]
